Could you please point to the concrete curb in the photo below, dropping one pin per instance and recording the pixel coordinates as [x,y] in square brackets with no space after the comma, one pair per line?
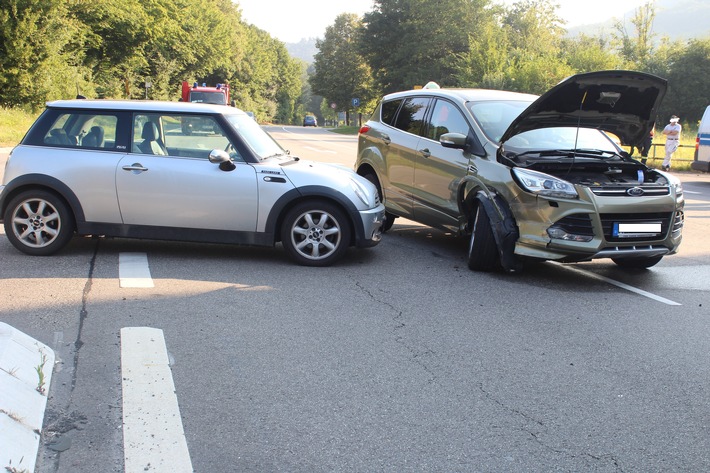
[22,406]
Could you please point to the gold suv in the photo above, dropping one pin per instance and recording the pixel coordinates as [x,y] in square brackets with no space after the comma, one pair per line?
[526,177]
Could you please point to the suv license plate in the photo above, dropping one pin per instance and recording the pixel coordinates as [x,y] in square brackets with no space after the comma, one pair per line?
[636,230]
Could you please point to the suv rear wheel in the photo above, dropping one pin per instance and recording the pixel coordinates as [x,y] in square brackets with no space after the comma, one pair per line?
[38,223]
[389,218]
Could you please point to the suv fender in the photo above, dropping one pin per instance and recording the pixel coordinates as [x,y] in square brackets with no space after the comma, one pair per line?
[505,230]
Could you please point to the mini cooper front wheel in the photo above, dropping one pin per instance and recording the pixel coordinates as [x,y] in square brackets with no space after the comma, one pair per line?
[315,233]
[38,223]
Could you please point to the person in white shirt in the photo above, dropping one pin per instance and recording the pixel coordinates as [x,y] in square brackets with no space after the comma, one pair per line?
[672,132]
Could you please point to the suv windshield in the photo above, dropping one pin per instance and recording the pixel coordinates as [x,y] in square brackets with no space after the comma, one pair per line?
[494,117]
[256,138]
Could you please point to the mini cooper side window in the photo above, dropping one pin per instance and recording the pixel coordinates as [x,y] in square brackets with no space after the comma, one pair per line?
[190,136]
[82,130]
[411,115]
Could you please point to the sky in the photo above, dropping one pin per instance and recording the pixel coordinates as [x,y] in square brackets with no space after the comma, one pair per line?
[290,21]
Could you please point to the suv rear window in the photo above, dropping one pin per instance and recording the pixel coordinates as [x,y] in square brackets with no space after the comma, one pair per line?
[411,115]
[389,111]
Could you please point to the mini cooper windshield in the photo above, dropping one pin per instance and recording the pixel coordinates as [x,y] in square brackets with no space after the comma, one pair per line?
[258,140]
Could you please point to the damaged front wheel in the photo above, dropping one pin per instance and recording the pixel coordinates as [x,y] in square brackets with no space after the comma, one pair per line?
[482,248]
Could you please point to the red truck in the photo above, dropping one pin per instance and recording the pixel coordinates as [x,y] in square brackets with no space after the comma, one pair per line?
[202,94]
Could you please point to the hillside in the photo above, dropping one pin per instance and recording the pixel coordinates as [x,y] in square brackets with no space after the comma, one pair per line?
[676,19]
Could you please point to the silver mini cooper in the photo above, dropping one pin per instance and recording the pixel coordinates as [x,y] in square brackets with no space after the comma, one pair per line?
[178,171]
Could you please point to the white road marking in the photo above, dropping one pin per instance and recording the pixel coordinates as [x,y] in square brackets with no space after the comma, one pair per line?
[153,436]
[633,289]
[133,270]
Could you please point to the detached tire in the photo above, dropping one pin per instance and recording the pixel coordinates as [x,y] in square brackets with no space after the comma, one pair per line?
[38,223]
[637,263]
[315,233]
[482,248]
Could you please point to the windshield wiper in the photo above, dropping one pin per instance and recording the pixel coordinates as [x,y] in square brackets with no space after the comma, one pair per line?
[571,153]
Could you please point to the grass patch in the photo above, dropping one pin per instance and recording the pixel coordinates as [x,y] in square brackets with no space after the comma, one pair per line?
[14,123]
[345,130]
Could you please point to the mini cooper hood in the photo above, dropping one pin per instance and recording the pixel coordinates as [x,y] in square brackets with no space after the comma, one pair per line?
[620,102]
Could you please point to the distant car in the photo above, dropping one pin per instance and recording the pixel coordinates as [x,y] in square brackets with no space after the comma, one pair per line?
[310,120]
[528,178]
[127,169]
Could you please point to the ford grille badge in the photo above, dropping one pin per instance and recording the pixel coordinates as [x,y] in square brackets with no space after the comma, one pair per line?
[635,192]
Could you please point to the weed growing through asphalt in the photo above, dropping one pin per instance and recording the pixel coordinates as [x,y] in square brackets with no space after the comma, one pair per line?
[40,372]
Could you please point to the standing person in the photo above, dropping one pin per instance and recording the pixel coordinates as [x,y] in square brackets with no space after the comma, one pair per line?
[672,132]
[646,145]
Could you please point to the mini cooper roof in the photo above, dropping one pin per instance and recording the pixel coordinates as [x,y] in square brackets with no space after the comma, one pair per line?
[144,105]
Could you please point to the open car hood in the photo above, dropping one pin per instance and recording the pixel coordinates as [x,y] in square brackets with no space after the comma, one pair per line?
[620,102]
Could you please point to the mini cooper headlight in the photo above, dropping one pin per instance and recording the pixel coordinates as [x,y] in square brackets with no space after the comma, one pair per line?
[362,192]
[543,184]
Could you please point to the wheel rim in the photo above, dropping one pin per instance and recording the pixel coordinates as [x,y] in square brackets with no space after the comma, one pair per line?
[36,223]
[316,235]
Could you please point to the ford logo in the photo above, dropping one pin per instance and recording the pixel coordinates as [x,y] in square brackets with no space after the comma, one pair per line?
[635,192]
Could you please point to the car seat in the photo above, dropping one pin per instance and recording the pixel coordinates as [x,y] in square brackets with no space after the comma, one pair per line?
[151,143]
[94,138]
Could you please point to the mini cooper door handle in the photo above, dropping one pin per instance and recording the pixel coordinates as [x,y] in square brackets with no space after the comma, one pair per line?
[135,167]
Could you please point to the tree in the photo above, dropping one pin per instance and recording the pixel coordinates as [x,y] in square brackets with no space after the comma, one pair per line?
[341,72]
[40,52]
[636,50]
[412,42]
[689,88]
[535,33]
[588,53]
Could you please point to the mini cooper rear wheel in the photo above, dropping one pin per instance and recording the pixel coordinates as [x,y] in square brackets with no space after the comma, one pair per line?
[38,223]
[637,263]
[482,248]
[315,233]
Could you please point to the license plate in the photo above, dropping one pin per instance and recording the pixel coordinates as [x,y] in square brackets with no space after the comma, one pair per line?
[636,230]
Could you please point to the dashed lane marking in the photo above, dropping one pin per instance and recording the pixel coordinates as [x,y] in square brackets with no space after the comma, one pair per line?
[133,270]
[153,435]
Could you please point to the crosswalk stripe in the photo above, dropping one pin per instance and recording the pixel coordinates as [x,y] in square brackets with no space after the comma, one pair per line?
[133,270]
[153,435]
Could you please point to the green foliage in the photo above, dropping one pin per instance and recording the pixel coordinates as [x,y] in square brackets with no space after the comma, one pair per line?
[341,72]
[689,92]
[41,57]
[54,49]
[412,42]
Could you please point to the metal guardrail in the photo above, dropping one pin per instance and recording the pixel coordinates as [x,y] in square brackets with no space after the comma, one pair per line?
[680,156]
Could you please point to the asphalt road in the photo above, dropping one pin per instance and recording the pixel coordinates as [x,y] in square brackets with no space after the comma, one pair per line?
[397,359]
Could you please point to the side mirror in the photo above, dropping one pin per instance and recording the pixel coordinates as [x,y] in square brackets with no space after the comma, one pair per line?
[218,156]
[453,140]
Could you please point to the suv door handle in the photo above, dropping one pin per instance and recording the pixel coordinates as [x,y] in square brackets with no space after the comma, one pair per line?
[425,152]
[386,139]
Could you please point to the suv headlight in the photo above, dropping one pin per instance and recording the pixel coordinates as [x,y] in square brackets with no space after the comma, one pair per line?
[367,197]
[543,184]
